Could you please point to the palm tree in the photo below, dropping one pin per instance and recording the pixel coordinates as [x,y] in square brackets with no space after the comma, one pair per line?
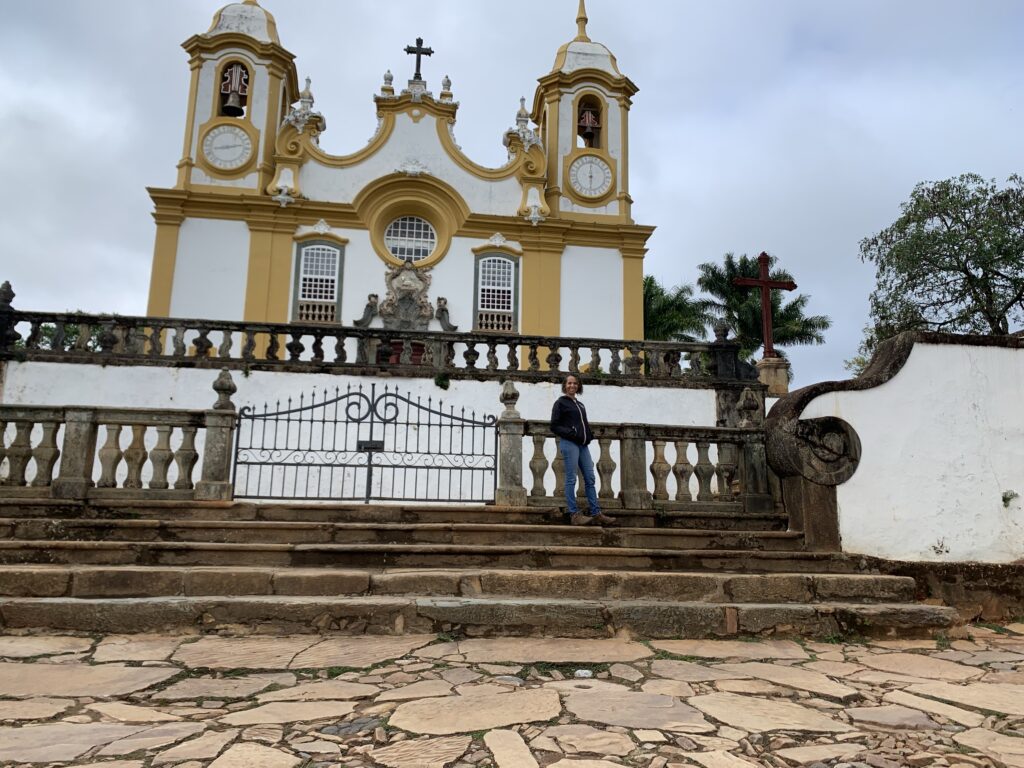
[674,314]
[741,307]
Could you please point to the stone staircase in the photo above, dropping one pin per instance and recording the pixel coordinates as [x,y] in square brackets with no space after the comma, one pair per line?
[476,570]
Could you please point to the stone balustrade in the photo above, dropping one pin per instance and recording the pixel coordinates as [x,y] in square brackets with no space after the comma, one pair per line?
[642,466]
[55,452]
[115,339]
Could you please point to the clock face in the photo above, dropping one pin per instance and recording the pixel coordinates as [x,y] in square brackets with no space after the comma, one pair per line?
[590,176]
[227,147]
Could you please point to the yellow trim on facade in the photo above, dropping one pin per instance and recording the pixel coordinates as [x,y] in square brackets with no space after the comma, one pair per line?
[269,278]
[291,144]
[337,239]
[390,197]
[542,292]
[165,255]
[185,164]
[506,248]
[480,171]
[632,296]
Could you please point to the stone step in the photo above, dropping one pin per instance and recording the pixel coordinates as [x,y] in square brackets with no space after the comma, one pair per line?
[263,532]
[395,555]
[157,581]
[474,616]
[705,516]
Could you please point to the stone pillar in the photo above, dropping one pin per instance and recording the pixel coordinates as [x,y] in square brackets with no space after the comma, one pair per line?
[774,374]
[78,454]
[757,497]
[510,491]
[215,480]
[633,460]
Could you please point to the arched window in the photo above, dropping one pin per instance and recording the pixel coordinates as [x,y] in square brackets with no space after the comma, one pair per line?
[496,301]
[234,90]
[588,122]
[317,282]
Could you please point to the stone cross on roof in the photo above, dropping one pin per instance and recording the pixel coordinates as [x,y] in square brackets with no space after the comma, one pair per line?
[419,51]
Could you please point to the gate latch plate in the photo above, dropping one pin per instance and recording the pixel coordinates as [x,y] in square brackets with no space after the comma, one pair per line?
[370,445]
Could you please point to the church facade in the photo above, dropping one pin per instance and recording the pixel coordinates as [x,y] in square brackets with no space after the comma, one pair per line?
[262,225]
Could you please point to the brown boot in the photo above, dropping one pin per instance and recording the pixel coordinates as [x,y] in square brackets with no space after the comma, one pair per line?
[602,519]
[579,519]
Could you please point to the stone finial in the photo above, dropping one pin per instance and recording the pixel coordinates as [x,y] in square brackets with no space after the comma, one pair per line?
[522,116]
[509,397]
[6,295]
[225,387]
[446,83]
[750,410]
[721,329]
[388,78]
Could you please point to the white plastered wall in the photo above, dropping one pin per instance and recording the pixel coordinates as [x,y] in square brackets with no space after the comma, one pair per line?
[210,269]
[411,142]
[941,476]
[591,293]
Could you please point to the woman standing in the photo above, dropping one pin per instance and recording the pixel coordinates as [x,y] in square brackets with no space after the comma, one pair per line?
[569,423]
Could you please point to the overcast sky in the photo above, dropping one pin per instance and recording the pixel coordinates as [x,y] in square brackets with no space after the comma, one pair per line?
[792,127]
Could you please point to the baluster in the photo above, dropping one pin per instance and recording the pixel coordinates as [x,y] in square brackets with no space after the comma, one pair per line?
[470,355]
[318,346]
[615,366]
[179,341]
[385,350]
[673,358]
[185,457]
[202,344]
[405,358]
[512,357]
[574,358]
[224,350]
[634,362]
[558,466]
[19,453]
[249,345]
[595,359]
[538,466]
[683,471]
[655,362]
[160,457]
[110,457]
[155,341]
[46,454]
[704,470]
[84,337]
[3,445]
[534,362]
[492,356]
[36,332]
[295,347]
[726,470]
[107,338]
[59,336]
[430,355]
[136,456]
[132,340]
[659,471]
[554,357]
[273,347]
[606,468]
[340,355]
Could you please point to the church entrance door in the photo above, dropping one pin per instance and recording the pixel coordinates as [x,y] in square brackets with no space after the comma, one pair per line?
[365,444]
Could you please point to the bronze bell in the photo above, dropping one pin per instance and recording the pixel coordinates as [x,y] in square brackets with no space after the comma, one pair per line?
[233,105]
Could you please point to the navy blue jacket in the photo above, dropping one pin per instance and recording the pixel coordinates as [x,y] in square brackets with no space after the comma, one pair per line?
[569,420]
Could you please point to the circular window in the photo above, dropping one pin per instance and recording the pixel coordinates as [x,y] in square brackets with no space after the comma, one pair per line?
[410,237]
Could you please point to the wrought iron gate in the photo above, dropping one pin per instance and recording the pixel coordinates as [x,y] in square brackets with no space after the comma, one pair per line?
[361,444]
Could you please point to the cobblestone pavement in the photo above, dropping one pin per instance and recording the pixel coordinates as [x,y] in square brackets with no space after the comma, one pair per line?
[425,702]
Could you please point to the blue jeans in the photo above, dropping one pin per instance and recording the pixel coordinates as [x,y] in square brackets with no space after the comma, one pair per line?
[578,457]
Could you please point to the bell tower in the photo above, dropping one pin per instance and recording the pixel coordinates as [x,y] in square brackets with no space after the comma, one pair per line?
[243,82]
[582,108]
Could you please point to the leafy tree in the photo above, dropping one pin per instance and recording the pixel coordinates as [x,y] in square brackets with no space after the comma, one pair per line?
[674,314]
[741,307]
[953,261]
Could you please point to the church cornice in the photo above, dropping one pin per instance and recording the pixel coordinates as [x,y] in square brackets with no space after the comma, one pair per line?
[559,82]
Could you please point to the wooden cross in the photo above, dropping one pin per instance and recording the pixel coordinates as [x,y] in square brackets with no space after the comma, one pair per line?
[766,285]
[419,51]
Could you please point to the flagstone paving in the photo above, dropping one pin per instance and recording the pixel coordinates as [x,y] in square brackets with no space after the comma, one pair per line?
[161,701]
